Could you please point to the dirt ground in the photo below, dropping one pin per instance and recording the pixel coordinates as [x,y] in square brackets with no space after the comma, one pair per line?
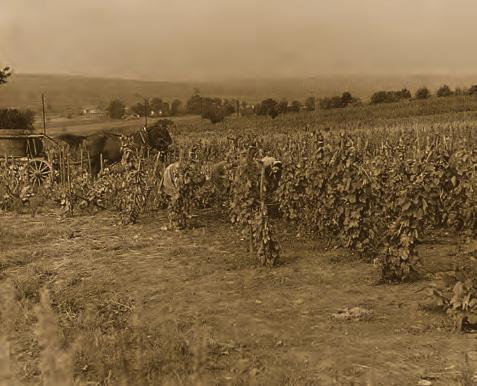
[267,326]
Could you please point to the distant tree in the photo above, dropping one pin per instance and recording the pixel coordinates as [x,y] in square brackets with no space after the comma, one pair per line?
[331,103]
[458,91]
[444,91]
[267,107]
[157,105]
[346,98]
[228,107]
[176,107]
[310,103]
[325,103]
[273,112]
[194,104]
[282,106]
[14,119]
[166,109]
[378,97]
[116,109]
[295,107]
[140,109]
[390,96]
[213,113]
[422,93]
[404,94]
[5,73]
[472,90]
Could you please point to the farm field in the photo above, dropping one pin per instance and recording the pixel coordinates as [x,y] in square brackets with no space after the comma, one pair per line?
[139,304]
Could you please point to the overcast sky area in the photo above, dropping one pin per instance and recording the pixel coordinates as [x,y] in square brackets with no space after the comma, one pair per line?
[217,39]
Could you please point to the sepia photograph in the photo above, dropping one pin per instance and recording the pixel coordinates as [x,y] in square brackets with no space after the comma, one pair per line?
[209,192]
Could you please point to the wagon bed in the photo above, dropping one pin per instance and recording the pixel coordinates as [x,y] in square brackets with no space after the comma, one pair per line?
[21,147]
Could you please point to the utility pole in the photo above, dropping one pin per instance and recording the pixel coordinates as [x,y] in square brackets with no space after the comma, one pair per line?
[43,109]
[145,112]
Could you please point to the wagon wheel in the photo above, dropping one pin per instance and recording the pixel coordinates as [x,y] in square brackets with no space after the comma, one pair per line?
[38,171]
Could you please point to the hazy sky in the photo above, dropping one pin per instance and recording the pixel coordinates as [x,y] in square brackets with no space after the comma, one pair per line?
[215,39]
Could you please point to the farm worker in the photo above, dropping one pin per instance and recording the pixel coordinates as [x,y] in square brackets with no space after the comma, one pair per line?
[170,180]
[273,172]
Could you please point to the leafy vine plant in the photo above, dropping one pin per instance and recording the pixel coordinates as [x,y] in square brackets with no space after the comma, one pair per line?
[135,187]
[180,182]
[15,188]
[249,209]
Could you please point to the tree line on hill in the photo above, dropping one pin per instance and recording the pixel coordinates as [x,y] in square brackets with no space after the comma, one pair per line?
[421,93]
[216,109]
[211,108]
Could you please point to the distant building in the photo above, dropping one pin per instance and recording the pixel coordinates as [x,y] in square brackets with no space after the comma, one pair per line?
[93,112]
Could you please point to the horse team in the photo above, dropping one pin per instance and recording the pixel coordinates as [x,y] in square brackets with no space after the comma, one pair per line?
[107,147]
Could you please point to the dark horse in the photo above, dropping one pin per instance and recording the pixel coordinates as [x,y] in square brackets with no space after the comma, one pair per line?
[108,145]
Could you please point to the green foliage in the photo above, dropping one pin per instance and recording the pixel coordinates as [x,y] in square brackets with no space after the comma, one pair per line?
[282,106]
[134,187]
[176,107]
[213,113]
[269,107]
[159,106]
[331,103]
[5,73]
[116,109]
[346,98]
[249,210]
[378,198]
[194,104]
[15,189]
[472,90]
[14,119]
[337,101]
[423,93]
[389,96]
[295,107]
[310,103]
[444,91]
[459,297]
[141,109]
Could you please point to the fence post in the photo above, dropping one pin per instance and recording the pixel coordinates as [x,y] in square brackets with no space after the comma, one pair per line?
[89,163]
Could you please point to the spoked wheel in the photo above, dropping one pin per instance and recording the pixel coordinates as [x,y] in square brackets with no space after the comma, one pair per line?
[39,172]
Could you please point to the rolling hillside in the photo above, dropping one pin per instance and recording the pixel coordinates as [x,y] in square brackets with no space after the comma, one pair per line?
[71,93]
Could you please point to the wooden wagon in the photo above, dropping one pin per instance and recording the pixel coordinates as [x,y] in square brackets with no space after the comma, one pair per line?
[26,148]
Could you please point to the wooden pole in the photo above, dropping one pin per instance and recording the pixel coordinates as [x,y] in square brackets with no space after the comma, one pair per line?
[70,190]
[68,169]
[44,115]
[89,163]
[262,192]
[145,112]
[61,167]
[250,240]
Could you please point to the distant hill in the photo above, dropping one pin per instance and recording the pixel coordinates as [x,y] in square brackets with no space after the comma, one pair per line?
[71,93]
